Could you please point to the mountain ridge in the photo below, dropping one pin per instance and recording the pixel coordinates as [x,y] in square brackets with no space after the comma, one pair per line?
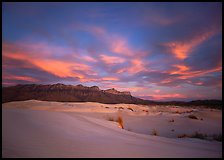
[78,93]
[67,93]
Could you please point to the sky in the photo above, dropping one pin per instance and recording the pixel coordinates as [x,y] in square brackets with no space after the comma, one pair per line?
[158,51]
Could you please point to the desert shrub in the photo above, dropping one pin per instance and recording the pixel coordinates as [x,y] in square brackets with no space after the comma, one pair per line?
[130,109]
[198,135]
[120,122]
[110,119]
[192,116]
[121,108]
[172,120]
[172,130]
[201,119]
[217,137]
[106,107]
[182,136]
[154,132]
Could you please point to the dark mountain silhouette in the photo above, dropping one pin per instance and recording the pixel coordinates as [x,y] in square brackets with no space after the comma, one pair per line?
[67,93]
[79,93]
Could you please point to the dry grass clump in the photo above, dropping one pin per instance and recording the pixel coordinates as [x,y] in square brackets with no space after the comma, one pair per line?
[192,116]
[172,120]
[217,137]
[194,135]
[182,136]
[154,132]
[130,109]
[110,119]
[119,120]
[198,135]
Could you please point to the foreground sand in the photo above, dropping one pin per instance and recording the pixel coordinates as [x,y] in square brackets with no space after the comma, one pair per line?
[53,129]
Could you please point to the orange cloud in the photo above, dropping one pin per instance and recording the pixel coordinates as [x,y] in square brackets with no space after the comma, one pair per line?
[181,50]
[190,74]
[180,69]
[111,59]
[57,67]
[23,78]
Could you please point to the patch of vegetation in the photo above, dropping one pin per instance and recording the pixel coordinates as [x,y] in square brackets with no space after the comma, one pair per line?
[120,108]
[182,136]
[192,117]
[172,130]
[110,119]
[106,107]
[172,120]
[130,109]
[198,135]
[120,122]
[217,137]
[154,132]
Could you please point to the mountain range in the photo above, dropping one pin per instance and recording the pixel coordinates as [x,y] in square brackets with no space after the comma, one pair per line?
[79,93]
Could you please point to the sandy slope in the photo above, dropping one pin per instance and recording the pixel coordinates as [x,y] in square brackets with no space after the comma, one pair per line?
[53,129]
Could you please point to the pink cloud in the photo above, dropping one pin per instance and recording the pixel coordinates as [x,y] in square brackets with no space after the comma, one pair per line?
[164,96]
[157,90]
[111,59]
[110,79]
[88,59]
[137,65]
[119,45]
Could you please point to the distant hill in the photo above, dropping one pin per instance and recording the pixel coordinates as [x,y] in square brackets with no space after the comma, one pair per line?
[67,93]
[79,93]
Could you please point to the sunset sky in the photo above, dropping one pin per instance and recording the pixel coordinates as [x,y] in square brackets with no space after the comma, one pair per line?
[157,51]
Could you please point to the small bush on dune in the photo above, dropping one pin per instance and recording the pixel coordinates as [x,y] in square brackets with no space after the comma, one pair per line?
[154,132]
[198,135]
[217,137]
[182,136]
[172,120]
[130,109]
[120,122]
[110,119]
[202,136]
[192,116]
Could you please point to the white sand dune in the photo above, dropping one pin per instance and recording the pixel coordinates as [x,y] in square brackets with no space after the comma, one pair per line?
[53,129]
